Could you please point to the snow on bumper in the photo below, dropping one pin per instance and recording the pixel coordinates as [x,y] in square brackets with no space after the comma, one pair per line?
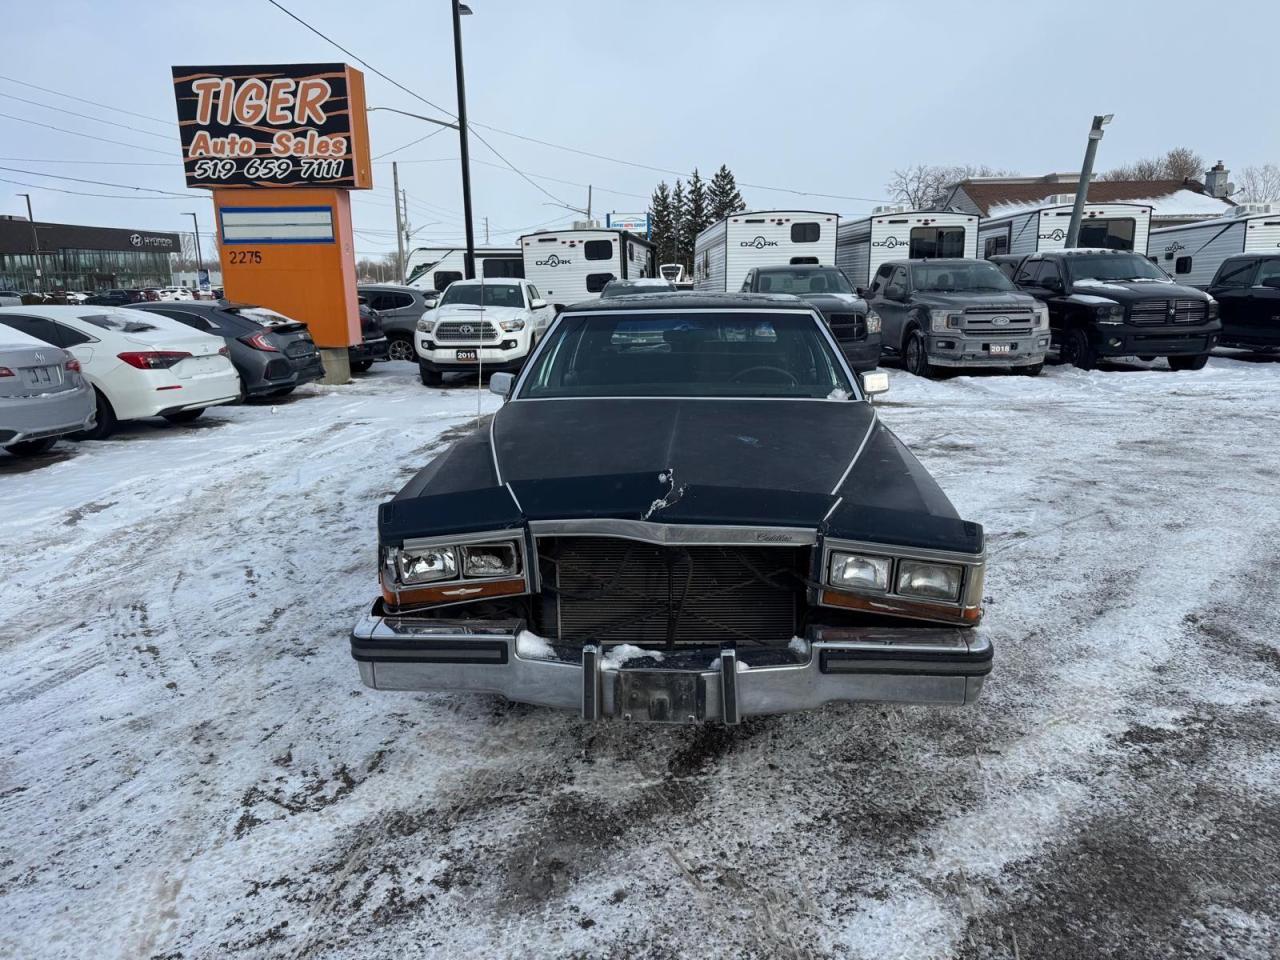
[690,684]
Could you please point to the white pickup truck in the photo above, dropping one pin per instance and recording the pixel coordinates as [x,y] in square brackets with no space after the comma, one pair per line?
[487,324]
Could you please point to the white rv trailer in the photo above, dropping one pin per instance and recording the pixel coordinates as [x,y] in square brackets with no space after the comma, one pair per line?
[1193,252]
[434,268]
[726,250]
[1113,226]
[572,265]
[895,233]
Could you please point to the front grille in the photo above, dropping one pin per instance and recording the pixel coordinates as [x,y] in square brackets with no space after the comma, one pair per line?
[1150,311]
[1190,311]
[605,589]
[465,331]
[848,326]
[1018,324]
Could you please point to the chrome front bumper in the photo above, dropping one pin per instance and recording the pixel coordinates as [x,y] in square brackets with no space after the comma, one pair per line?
[688,685]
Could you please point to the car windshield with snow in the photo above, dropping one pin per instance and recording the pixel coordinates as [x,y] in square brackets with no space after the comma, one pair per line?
[687,510]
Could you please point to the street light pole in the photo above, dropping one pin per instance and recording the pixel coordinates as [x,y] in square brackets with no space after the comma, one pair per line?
[35,240]
[195,225]
[470,261]
[1086,174]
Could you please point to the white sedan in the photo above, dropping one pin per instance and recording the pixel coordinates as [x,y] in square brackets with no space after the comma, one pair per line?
[140,364]
[175,293]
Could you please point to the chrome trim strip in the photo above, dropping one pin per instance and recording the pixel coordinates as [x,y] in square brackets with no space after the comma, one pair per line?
[856,454]
[677,533]
[493,452]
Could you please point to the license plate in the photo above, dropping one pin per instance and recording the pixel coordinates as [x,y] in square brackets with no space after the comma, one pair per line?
[39,375]
[467,355]
[660,696]
[1000,347]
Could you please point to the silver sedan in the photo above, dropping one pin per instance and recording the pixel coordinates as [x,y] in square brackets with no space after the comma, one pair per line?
[42,394]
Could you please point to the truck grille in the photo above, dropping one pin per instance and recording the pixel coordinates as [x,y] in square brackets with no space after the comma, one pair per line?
[465,331]
[605,589]
[1150,311]
[1190,311]
[983,324]
[848,326]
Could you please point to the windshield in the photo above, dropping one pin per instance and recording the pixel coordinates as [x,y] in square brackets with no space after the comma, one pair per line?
[495,295]
[800,282]
[679,354]
[1112,266]
[958,277]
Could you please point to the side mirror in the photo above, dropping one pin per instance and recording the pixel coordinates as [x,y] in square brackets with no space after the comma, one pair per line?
[895,291]
[1052,283]
[875,383]
[432,303]
[860,291]
[537,304]
[501,384]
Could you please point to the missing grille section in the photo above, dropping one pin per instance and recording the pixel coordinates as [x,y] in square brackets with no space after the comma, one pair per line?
[611,590]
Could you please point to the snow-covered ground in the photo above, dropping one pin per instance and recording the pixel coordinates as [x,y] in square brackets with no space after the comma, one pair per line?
[190,768]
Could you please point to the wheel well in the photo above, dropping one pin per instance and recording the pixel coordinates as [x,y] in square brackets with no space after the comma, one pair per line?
[910,327]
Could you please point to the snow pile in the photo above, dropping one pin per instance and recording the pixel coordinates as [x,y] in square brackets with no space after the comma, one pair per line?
[530,646]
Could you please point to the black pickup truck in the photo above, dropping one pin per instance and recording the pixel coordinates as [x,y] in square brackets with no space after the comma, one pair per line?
[1247,289]
[1116,303]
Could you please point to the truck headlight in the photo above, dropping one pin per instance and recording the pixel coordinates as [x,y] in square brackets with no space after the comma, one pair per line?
[930,581]
[1109,313]
[1042,318]
[873,322]
[425,325]
[426,564]
[857,571]
[510,326]
[491,560]
[938,320]
[1213,309]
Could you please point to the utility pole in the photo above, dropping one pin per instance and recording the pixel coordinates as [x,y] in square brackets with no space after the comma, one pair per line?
[35,240]
[195,226]
[588,203]
[470,260]
[395,180]
[1086,174]
[486,231]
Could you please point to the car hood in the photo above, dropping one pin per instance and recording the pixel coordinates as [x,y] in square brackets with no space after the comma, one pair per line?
[829,303]
[1129,291]
[985,299]
[467,311]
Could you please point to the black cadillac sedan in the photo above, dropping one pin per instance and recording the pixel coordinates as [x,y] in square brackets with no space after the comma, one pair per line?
[686,510]
[273,354]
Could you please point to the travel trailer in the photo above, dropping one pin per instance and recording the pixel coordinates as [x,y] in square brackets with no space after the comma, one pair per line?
[726,250]
[572,265]
[1193,252]
[1111,226]
[894,233]
[434,268]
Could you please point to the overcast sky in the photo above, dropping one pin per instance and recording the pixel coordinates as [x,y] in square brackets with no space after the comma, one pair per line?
[822,97]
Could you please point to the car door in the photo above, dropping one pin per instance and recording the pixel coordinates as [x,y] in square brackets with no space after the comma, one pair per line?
[542,316]
[893,303]
[1233,289]
[1263,317]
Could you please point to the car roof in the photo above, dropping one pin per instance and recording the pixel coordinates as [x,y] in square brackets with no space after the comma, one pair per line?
[1076,251]
[489,281]
[396,287]
[691,300]
[794,267]
[909,261]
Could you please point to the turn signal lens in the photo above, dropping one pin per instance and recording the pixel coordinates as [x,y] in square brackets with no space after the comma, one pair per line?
[931,581]
[491,560]
[856,571]
[259,341]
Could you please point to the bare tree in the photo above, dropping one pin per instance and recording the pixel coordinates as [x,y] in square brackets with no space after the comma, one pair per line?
[1180,163]
[923,184]
[1259,184]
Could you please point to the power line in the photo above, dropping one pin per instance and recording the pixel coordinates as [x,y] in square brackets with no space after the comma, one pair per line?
[103,163]
[82,193]
[85,116]
[88,136]
[411,143]
[92,103]
[97,183]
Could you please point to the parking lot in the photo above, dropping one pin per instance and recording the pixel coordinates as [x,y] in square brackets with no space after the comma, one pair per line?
[191,768]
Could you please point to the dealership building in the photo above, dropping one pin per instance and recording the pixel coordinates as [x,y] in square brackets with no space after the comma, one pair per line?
[62,256]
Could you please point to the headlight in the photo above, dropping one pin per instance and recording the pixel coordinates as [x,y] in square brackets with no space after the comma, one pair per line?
[1213,309]
[1110,313]
[425,325]
[426,564]
[873,322]
[859,571]
[938,319]
[511,325]
[931,581]
[1042,321]
[491,560]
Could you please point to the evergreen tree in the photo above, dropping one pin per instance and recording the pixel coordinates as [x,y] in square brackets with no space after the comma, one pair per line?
[723,197]
[661,225]
[679,214]
[696,218]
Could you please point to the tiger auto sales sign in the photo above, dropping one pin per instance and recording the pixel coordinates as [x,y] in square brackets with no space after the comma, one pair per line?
[301,124]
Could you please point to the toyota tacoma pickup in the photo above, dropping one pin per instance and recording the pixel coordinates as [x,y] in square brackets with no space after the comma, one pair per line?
[490,325]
